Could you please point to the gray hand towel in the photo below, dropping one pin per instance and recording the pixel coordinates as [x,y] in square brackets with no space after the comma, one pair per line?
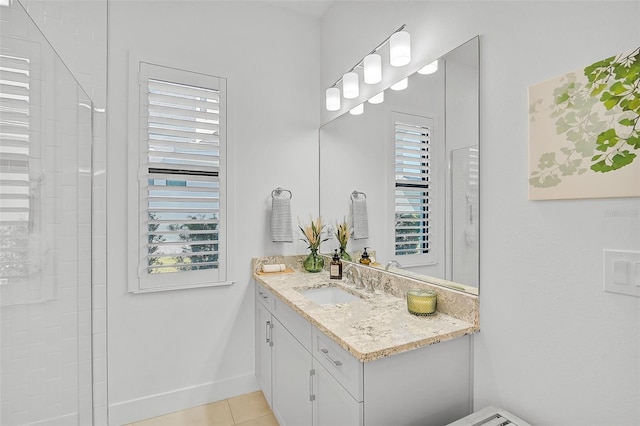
[281,220]
[360,220]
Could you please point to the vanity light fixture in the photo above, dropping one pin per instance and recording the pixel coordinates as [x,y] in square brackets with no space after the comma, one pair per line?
[372,64]
[372,68]
[401,85]
[350,85]
[377,99]
[333,99]
[357,110]
[400,49]
[429,68]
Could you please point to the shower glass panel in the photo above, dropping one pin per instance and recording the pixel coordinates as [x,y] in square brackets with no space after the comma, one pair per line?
[464,216]
[45,232]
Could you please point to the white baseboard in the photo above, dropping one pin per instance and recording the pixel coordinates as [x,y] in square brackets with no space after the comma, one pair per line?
[124,412]
[67,419]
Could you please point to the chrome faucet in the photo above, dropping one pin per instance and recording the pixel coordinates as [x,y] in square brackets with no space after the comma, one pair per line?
[394,263]
[350,271]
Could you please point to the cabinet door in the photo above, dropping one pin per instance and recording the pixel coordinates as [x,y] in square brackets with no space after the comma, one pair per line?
[333,405]
[291,378]
[264,326]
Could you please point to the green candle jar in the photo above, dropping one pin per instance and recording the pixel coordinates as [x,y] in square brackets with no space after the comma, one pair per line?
[421,302]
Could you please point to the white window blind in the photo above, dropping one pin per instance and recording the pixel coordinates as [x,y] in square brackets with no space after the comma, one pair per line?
[412,185]
[15,200]
[181,178]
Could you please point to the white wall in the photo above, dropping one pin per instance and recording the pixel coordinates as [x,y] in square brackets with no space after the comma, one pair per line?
[554,348]
[172,350]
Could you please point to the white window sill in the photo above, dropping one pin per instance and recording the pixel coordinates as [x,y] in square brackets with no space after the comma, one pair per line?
[182,287]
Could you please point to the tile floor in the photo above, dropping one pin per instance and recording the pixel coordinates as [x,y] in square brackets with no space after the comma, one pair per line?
[250,409]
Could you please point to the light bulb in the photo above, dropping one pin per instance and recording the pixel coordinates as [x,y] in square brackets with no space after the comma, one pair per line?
[401,85]
[400,49]
[377,99]
[372,69]
[429,68]
[350,87]
[333,99]
[357,110]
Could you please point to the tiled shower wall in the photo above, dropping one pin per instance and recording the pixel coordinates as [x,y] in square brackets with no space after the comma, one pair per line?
[77,30]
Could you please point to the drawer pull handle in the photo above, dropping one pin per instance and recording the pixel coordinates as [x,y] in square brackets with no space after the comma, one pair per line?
[264,296]
[268,333]
[326,354]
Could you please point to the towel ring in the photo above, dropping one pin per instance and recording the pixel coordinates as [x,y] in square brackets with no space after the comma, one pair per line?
[278,191]
[356,194]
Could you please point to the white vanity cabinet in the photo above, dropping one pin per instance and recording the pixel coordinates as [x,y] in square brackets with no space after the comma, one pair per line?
[298,387]
[314,381]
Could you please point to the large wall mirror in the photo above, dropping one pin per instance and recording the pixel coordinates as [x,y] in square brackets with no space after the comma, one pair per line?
[415,157]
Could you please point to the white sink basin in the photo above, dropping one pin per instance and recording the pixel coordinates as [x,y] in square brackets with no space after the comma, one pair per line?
[328,295]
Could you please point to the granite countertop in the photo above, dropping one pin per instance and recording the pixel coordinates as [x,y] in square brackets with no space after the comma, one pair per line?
[378,324]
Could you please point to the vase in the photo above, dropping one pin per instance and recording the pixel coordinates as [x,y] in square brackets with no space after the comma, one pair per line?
[314,262]
[344,255]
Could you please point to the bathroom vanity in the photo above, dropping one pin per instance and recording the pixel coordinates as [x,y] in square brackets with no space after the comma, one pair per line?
[328,354]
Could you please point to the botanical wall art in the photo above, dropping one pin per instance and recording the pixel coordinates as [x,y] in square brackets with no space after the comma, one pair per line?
[584,132]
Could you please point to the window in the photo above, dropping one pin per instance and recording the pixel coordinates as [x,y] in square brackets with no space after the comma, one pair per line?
[412,188]
[181,179]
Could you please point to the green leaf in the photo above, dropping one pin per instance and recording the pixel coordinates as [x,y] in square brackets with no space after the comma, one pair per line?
[601,167]
[562,126]
[627,122]
[551,180]
[618,88]
[547,160]
[595,71]
[567,169]
[544,182]
[598,89]
[596,157]
[622,159]
[606,140]
[585,147]
[574,135]
[562,98]
[566,151]
[613,101]
[634,141]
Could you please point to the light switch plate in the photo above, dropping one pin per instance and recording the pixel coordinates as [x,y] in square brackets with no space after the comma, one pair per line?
[622,272]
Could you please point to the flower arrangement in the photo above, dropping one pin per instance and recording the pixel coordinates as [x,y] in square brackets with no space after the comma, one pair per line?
[313,234]
[313,237]
[343,233]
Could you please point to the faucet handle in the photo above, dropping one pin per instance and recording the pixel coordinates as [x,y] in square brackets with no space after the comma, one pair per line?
[371,287]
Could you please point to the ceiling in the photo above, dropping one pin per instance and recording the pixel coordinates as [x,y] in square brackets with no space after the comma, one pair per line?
[314,8]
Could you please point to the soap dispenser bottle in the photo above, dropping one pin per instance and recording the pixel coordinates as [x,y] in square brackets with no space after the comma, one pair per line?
[335,268]
[364,259]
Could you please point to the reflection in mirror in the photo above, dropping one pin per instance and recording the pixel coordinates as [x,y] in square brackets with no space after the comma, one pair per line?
[416,157]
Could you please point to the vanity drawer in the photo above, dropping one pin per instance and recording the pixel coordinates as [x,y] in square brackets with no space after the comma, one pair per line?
[294,323]
[343,366]
[265,297]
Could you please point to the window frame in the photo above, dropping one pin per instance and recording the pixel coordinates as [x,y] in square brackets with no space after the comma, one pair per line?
[140,281]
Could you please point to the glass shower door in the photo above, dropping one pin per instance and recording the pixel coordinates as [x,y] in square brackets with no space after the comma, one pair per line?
[45,232]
